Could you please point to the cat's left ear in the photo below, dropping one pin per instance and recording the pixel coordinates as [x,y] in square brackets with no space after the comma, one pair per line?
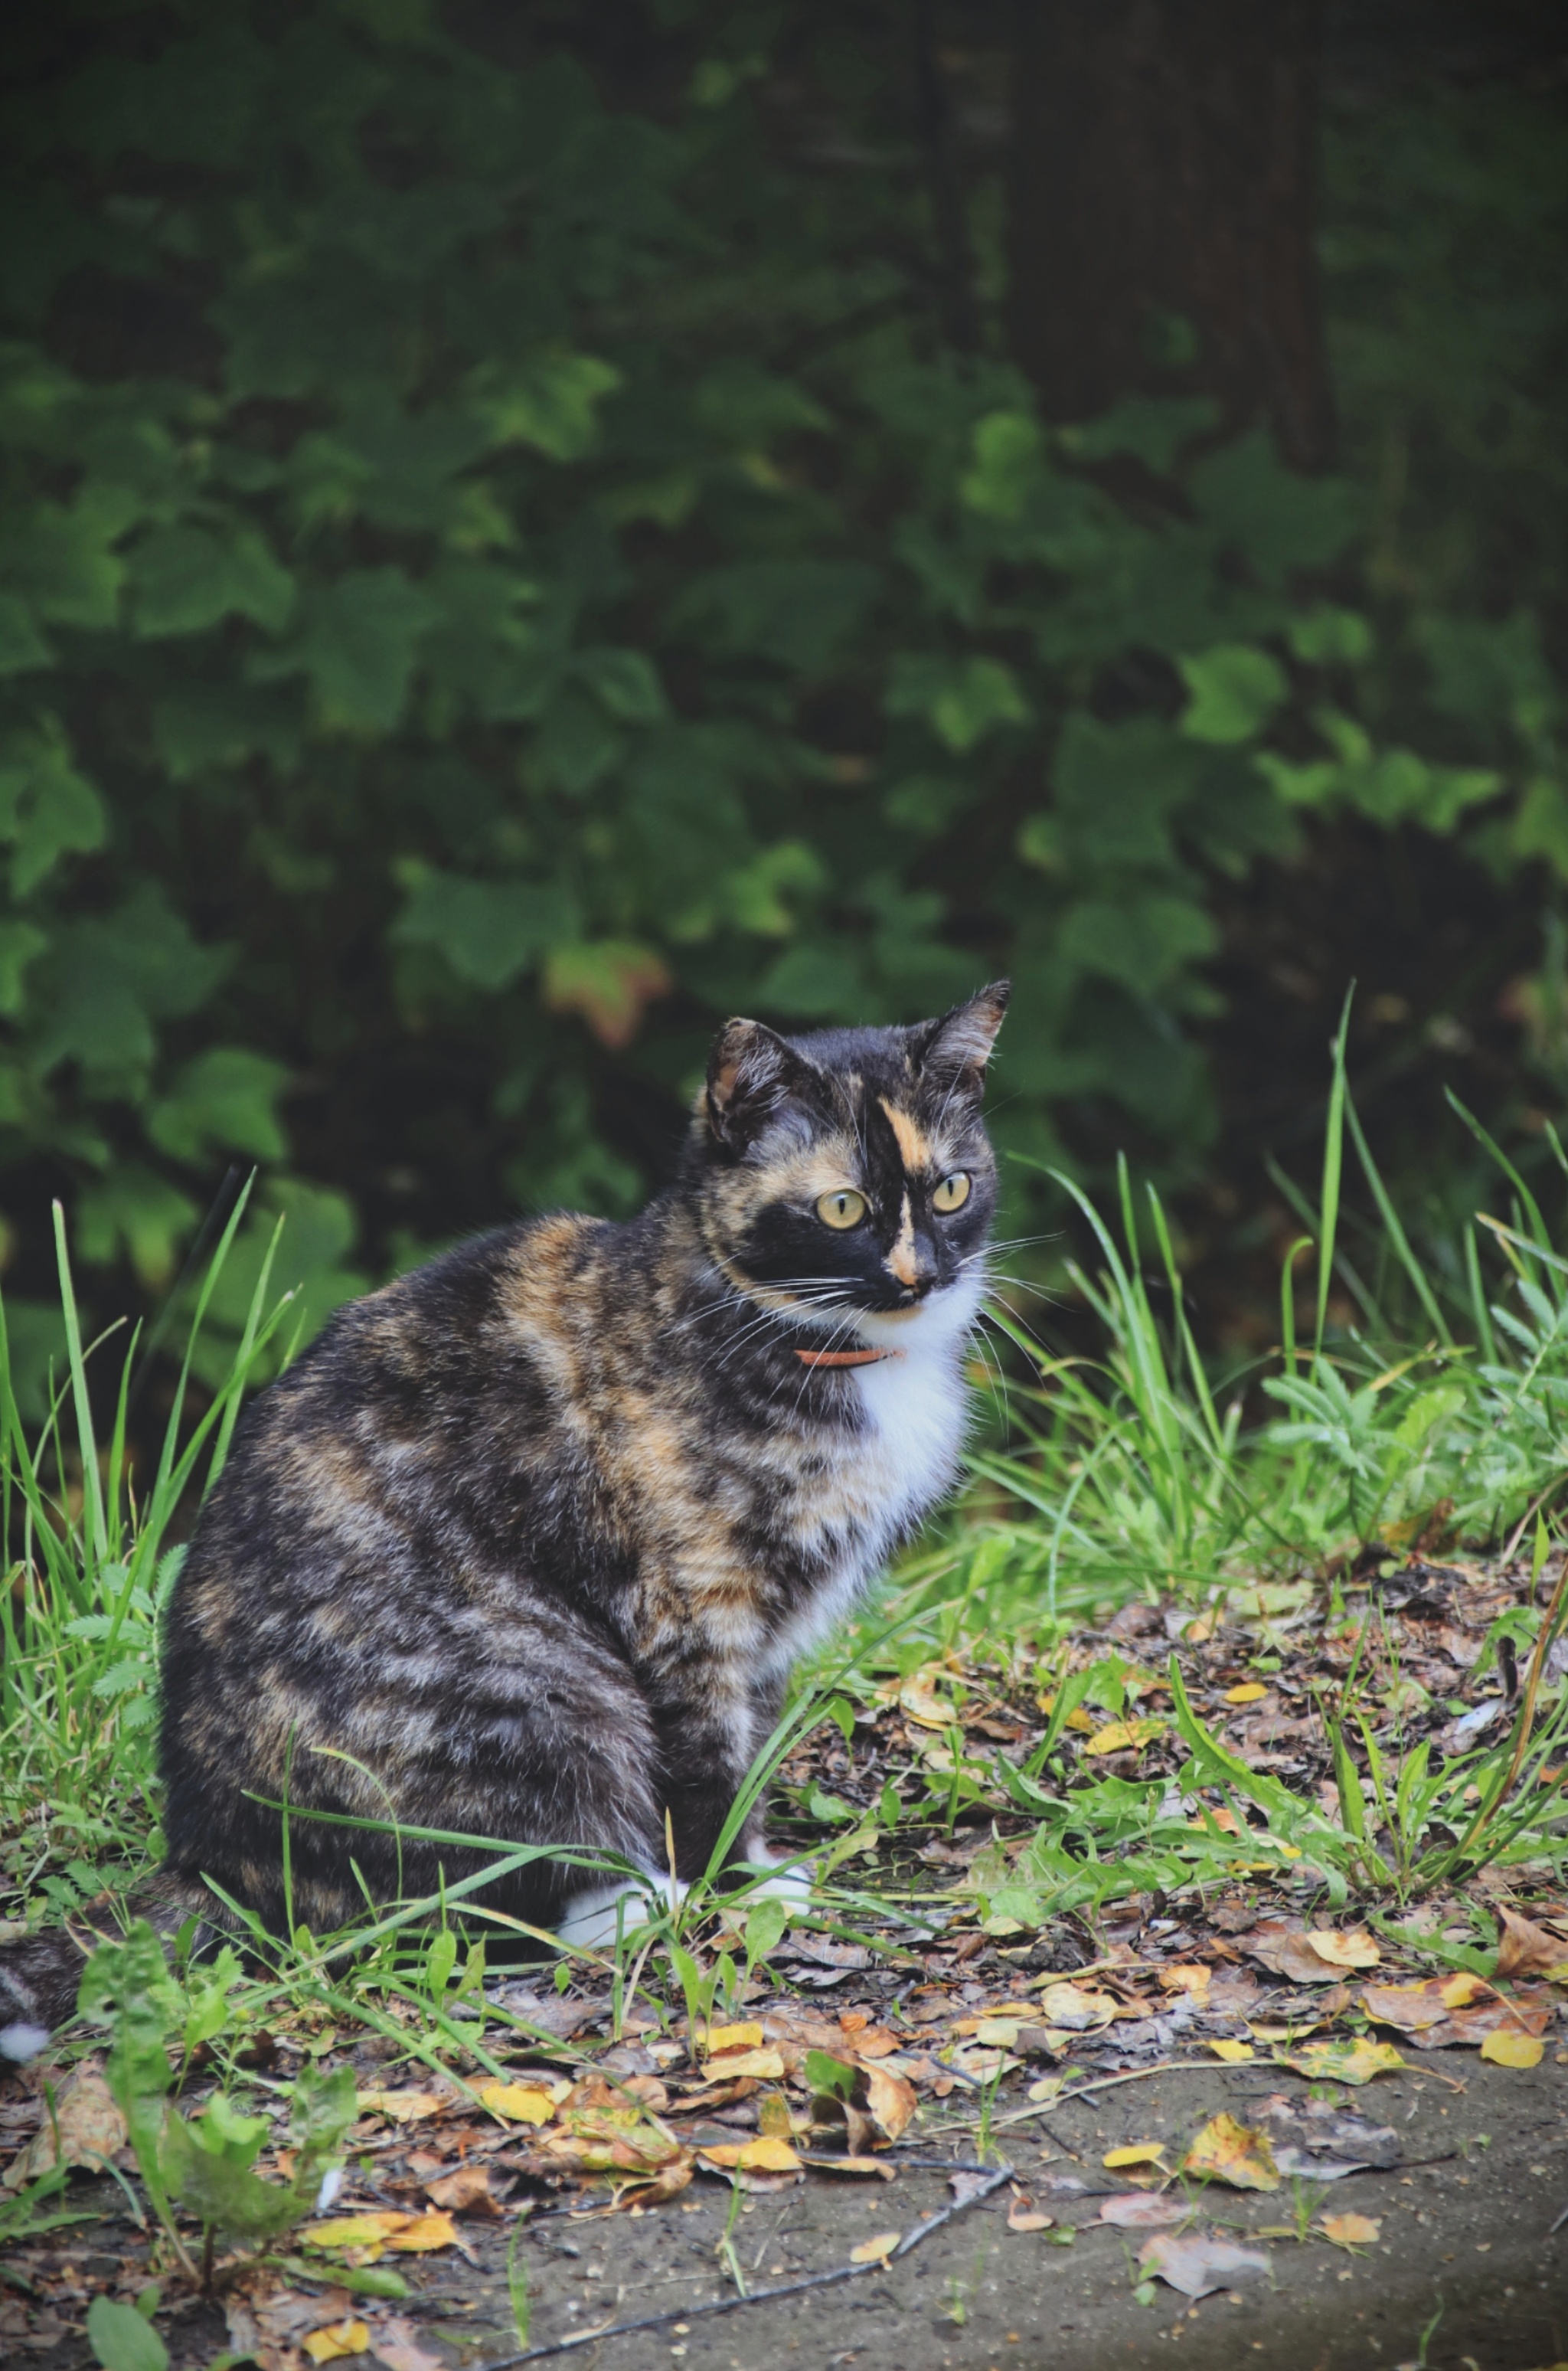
[953,1052]
[751,1073]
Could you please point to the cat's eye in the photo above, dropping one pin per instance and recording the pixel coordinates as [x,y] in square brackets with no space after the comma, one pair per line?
[841,1209]
[952,1193]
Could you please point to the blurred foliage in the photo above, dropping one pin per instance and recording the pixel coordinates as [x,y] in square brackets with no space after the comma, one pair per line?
[495,577]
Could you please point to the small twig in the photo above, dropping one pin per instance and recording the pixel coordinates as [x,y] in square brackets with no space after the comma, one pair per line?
[1557,2225]
[994,2180]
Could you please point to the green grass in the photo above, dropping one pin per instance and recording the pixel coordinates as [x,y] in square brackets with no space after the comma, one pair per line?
[1134,1473]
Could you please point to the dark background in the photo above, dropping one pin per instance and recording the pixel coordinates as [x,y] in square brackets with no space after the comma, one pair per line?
[531,527]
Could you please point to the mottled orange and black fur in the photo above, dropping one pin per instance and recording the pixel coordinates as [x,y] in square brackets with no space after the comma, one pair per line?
[526,1544]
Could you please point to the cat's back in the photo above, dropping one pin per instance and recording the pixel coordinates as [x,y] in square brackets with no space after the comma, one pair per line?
[403,1438]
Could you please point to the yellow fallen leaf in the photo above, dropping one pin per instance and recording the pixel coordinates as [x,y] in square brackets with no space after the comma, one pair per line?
[357,2230]
[1048,2087]
[1345,2062]
[1121,1735]
[766,2153]
[917,1696]
[766,2066]
[1236,2054]
[1461,1989]
[403,2107]
[1227,2151]
[1352,1951]
[876,2251]
[338,2339]
[1248,1693]
[1075,2006]
[517,2103]
[1352,2230]
[1184,1979]
[1135,2153]
[1505,2049]
[748,2036]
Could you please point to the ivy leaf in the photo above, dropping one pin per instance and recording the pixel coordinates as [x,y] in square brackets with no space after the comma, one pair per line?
[136,1209]
[551,404]
[186,579]
[964,699]
[47,809]
[227,1097]
[22,647]
[358,638]
[109,978]
[20,944]
[490,931]
[1234,690]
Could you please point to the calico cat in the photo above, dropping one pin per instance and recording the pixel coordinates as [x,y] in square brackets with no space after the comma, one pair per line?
[526,1544]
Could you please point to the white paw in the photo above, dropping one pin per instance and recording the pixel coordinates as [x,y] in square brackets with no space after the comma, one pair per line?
[589,1920]
[787,1881]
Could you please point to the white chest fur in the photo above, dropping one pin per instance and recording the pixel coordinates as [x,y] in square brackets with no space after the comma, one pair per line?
[901,1463]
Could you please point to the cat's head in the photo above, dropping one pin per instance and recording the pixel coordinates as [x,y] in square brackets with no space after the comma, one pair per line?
[845,1177]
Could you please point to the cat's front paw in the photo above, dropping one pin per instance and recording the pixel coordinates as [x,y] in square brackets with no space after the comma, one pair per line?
[593,1920]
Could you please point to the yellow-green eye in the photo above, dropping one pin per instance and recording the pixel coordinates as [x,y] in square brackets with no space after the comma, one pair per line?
[842,1209]
[952,1193]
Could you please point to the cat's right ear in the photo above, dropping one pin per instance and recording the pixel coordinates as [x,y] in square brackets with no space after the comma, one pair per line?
[751,1073]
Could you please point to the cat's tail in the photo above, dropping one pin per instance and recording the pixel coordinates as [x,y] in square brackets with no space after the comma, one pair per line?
[38,1975]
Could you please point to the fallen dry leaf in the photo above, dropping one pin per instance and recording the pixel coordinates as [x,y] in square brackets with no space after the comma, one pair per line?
[1025,2216]
[338,2337]
[1250,1692]
[758,2066]
[1236,2054]
[1075,2008]
[764,2155]
[466,2191]
[1345,2062]
[1355,1949]
[517,2103]
[1184,1978]
[1526,1950]
[396,2343]
[891,2100]
[862,2167]
[1227,2151]
[1504,2048]
[91,2127]
[1142,2210]
[1120,1736]
[917,1696]
[1285,1949]
[1352,2230]
[748,2036]
[407,2107]
[875,2251]
[1435,2015]
[409,2234]
[1135,2153]
[1196,2265]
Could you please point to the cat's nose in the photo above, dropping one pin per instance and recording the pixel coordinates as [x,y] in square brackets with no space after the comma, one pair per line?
[912,1264]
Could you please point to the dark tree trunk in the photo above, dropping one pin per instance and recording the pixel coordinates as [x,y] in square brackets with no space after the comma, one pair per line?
[1164,188]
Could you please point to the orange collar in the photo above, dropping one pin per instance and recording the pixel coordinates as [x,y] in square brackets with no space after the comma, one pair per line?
[844,1358]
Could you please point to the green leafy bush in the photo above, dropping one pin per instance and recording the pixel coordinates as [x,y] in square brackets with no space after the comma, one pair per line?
[492,580]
